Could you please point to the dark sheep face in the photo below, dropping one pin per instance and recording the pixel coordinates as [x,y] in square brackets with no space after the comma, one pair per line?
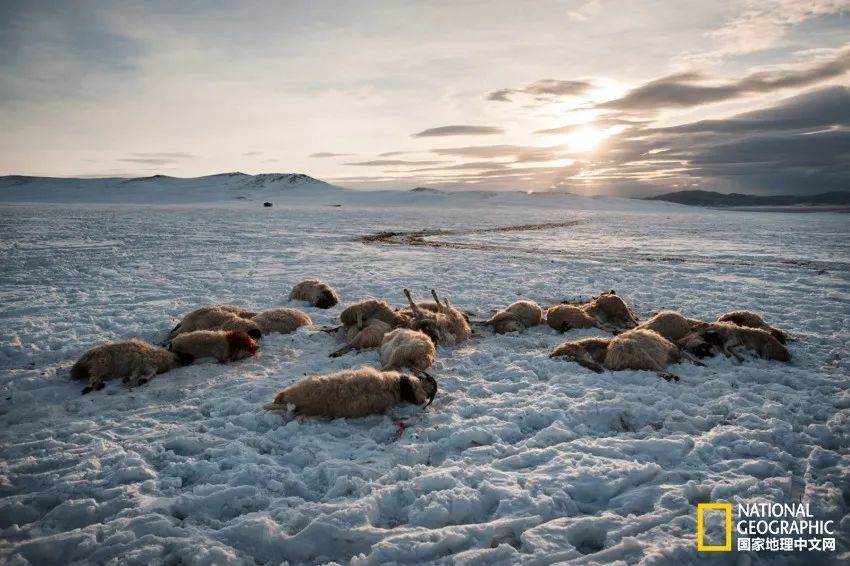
[255,333]
[326,300]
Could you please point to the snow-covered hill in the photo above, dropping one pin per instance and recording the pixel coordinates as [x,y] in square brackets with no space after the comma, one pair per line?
[161,189]
[291,189]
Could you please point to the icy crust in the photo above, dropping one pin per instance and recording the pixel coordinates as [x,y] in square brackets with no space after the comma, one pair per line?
[521,458]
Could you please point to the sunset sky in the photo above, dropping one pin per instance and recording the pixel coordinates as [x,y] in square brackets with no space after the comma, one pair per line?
[623,97]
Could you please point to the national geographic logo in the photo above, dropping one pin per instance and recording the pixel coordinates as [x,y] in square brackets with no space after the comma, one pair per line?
[767,527]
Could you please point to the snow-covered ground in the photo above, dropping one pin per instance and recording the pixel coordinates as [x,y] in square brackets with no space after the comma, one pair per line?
[521,459]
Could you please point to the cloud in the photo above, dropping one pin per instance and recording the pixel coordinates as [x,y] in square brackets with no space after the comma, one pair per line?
[520,154]
[544,89]
[458,131]
[388,162]
[690,89]
[823,108]
[601,122]
[161,158]
[326,154]
[799,145]
[760,26]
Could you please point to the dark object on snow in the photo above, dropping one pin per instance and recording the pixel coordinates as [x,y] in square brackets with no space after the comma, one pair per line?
[268,204]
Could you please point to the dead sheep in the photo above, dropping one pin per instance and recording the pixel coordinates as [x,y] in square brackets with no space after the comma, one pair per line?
[641,349]
[368,310]
[637,349]
[225,346]
[607,312]
[316,292]
[362,337]
[611,310]
[136,361]
[223,317]
[444,325]
[282,320]
[567,317]
[752,320]
[516,317]
[589,352]
[407,348]
[730,338]
[682,331]
[354,393]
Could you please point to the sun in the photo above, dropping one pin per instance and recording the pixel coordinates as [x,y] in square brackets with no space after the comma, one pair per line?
[585,140]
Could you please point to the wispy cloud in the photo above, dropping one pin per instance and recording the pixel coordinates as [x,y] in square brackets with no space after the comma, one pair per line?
[461,130]
[327,154]
[694,89]
[544,89]
[388,162]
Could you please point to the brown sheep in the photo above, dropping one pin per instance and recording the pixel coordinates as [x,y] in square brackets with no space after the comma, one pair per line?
[611,310]
[222,317]
[316,292]
[446,325]
[637,349]
[354,393]
[589,352]
[368,310]
[134,360]
[282,320]
[642,349]
[361,337]
[728,338]
[407,348]
[516,317]
[567,317]
[671,325]
[682,331]
[225,346]
[607,312]
[752,320]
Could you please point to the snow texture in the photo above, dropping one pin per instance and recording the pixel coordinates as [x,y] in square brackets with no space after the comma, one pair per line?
[521,458]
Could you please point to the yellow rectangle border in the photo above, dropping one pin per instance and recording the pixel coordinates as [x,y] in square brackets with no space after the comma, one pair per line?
[701,509]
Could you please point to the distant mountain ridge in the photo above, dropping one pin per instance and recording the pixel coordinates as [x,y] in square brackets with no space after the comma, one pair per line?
[711,198]
[159,188]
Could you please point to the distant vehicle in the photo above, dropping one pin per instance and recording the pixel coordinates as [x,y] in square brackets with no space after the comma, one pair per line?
[268,204]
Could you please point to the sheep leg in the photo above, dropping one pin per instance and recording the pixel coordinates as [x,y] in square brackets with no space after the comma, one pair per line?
[344,350]
[660,369]
[586,362]
[734,351]
[691,358]
[94,384]
[416,310]
[138,379]
[444,306]
[667,376]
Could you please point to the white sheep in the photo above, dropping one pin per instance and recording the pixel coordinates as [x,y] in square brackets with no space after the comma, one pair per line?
[407,348]
[354,393]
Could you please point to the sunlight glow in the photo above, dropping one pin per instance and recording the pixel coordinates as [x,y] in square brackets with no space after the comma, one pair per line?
[585,139]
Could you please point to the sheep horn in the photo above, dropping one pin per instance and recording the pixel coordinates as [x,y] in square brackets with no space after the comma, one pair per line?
[433,382]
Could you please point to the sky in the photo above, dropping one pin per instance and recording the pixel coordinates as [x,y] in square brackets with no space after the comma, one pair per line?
[633,97]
